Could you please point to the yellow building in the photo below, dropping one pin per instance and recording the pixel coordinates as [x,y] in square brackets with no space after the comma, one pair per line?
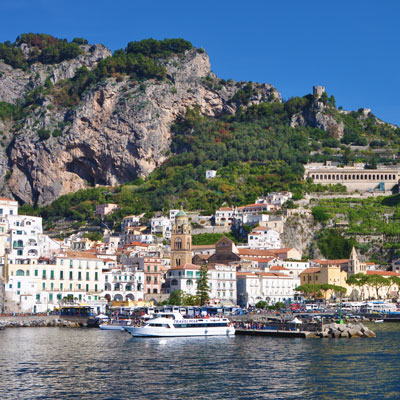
[325,275]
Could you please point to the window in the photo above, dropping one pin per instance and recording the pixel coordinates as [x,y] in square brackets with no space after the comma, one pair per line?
[61,286]
[20,272]
[20,252]
[79,286]
[70,286]
[71,264]
[61,275]
[96,276]
[1,211]
[95,287]
[44,274]
[87,287]
[70,275]
[36,272]
[38,297]
[87,276]
[19,285]
[148,268]
[44,285]
[51,274]
[79,276]
[148,279]
[62,262]
[155,268]
[52,286]
[189,274]
[155,279]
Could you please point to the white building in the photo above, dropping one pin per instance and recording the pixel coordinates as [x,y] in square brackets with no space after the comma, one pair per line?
[130,221]
[224,216]
[222,283]
[105,209]
[123,283]
[8,207]
[265,286]
[183,278]
[161,225]
[275,198]
[211,173]
[264,238]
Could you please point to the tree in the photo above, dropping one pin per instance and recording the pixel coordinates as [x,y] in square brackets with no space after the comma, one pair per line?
[378,282]
[310,290]
[320,214]
[396,281]
[176,298]
[202,285]
[359,280]
[261,304]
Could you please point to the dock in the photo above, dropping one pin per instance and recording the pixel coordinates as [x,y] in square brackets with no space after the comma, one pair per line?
[275,333]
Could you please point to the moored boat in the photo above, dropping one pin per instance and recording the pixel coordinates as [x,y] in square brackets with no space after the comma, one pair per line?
[174,324]
[115,325]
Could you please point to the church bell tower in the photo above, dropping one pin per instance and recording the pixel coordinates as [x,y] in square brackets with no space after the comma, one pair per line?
[181,241]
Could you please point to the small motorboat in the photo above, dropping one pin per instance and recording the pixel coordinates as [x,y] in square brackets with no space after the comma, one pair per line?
[378,321]
[115,325]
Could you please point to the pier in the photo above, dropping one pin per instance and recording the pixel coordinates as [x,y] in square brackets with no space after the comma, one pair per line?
[275,333]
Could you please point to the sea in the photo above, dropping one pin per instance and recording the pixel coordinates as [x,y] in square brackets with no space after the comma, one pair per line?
[62,363]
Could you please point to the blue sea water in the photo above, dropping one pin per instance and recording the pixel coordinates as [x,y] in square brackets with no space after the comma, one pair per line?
[61,363]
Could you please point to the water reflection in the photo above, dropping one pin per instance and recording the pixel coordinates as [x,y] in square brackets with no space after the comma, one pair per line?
[63,364]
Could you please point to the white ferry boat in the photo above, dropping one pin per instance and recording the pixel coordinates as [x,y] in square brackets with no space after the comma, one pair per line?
[174,324]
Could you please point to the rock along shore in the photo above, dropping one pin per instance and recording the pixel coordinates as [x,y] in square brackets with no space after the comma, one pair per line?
[42,322]
[348,330]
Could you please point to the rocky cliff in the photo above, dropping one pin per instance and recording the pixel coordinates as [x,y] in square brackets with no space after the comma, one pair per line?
[119,130]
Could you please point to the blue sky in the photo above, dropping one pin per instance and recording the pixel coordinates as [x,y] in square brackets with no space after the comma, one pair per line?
[352,47]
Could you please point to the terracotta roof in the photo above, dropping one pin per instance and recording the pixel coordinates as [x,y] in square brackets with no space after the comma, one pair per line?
[284,250]
[7,199]
[277,268]
[311,270]
[255,252]
[383,273]
[186,266]
[258,259]
[225,209]
[242,274]
[81,254]
[332,262]
[137,244]
[273,274]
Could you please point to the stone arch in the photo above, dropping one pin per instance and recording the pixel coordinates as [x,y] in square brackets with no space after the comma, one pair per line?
[118,297]
[107,297]
[178,243]
[20,272]
[130,297]
[107,286]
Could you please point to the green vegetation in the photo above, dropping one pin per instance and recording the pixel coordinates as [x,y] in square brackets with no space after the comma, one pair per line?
[374,281]
[44,48]
[96,236]
[140,61]
[372,215]
[211,238]
[315,291]
[333,245]
[181,298]
[203,289]
[8,110]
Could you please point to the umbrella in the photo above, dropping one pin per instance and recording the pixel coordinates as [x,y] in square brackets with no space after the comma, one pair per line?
[296,321]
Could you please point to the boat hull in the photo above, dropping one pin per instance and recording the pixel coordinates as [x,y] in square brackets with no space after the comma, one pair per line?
[111,328]
[176,332]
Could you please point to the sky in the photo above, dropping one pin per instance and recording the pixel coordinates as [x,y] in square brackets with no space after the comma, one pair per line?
[351,47]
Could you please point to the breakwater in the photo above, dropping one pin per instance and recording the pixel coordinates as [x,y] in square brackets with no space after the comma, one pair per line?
[36,322]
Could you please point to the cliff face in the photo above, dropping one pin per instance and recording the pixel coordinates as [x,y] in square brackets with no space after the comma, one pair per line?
[119,130]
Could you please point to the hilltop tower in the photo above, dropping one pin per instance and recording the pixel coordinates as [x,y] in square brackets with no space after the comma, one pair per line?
[181,241]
